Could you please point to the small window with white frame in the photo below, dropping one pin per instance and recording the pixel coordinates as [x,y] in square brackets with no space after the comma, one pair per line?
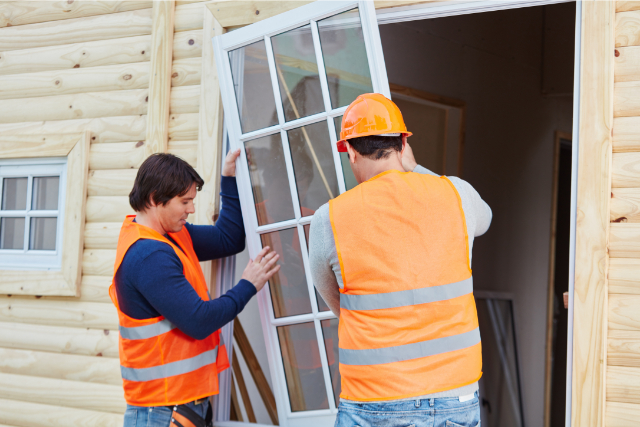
[31,209]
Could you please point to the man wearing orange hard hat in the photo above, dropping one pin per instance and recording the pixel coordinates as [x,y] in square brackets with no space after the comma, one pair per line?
[392,259]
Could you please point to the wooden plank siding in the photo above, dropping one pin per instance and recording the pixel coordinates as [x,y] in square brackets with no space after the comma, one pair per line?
[88,66]
[623,341]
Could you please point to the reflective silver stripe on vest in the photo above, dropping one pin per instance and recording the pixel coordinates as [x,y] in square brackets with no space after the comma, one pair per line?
[378,356]
[147,331]
[170,369]
[406,298]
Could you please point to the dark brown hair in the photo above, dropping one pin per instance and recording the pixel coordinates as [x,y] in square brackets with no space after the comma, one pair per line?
[162,177]
[376,147]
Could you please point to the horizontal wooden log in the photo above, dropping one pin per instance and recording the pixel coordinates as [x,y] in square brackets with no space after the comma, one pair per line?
[626,101]
[14,13]
[101,235]
[625,205]
[624,274]
[99,262]
[118,155]
[61,313]
[626,6]
[186,72]
[623,384]
[80,80]
[102,370]
[107,129]
[185,99]
[57,339]
[183,127]
[623,348]
[25,414]
[77,106]
[111,182]
[626,134]
[187,44]
[627,31]
[95,288]
[101,27]
[627,64]
[189,17]
[619,414]
[186,150]
[183,2]
[623,312]
[75,394]
[625,170]
[107,209]
[99,53]
[624,240]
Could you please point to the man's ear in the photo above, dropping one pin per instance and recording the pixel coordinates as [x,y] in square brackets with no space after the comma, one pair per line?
[351,152]
[404,144]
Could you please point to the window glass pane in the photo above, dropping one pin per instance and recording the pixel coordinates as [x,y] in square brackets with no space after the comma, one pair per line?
[297,73]
[302,367]
[289,292]
[14,194]
[43,234]
[252,84]
[322,306]
[12,233]
[349,177]
[313,166]
[269,179]
[345,57]
[45,193]
[330,334]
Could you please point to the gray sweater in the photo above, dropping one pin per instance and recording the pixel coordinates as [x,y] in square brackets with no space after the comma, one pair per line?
[325,268]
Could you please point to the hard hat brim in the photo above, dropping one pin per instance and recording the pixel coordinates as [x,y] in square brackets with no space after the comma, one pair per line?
[342,147]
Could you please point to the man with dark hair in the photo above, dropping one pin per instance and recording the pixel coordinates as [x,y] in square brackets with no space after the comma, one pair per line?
[392,259]
[170,347]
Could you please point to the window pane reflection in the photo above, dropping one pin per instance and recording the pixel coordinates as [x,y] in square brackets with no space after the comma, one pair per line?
[45,193]
[12,233]
[289,291]
[269,180]
[43,234]
[345,57]
[313,166]
[252,84]
[349,177]
[302,367]
[14,193]
[330,335]
[297,71]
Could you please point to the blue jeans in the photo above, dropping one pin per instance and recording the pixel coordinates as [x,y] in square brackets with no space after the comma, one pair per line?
[157,416]
[440,412]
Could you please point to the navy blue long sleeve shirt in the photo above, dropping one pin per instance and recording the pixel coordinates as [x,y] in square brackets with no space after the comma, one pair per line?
[150,281]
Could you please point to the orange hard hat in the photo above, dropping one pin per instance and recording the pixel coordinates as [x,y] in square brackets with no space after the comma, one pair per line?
[371,114]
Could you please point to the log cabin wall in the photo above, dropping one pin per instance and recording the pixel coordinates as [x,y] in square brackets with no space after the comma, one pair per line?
[623,358]
[69,66]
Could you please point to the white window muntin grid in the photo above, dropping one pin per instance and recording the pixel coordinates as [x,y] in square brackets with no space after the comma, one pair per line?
[25,258]
[264,30]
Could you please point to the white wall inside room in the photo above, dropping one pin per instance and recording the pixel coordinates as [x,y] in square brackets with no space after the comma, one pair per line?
[494,62]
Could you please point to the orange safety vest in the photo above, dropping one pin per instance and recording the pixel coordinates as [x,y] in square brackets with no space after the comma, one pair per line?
[408,321]
[161,365]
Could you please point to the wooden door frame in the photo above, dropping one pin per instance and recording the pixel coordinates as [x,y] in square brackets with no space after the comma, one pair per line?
[592,185]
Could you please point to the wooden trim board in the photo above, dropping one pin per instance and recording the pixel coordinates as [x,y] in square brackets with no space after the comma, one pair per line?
[75,147]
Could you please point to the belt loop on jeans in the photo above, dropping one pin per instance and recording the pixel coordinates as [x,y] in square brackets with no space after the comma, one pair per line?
[418,403]
[431,402]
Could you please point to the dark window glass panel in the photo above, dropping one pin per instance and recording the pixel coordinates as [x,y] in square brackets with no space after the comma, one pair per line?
[14,194]
[269,179]
[252,84]
[43,234]
[289,291]
[45,193]
[297,71]
[313,166]
[345,57]
[349,177]
[302,367]
[12,233]
[330,335]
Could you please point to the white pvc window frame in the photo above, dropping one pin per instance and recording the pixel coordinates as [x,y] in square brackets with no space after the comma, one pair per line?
[264,30]
[26,258]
